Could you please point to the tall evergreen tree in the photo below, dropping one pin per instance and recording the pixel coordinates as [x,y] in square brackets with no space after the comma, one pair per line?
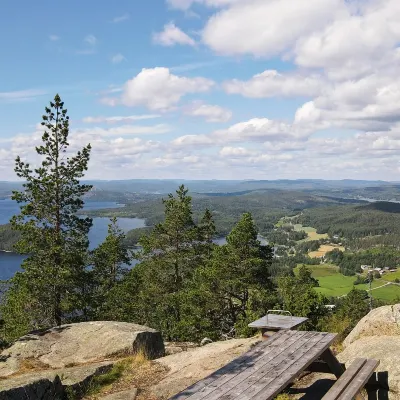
[110,264]
[207,232]
[170,255]
[235,285]
[52,234]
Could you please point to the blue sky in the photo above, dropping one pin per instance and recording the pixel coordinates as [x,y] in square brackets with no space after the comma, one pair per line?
[213,89]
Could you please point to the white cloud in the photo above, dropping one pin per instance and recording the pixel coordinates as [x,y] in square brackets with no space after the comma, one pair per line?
[211,113]
[117,119]
[90,40]
[121,18]
[193,140]
[117,58]
[158,89]
[271,83]
[266,28]
[354,45]
[54,38]
[172,35]
[235,152]
[22,95]
[260,130]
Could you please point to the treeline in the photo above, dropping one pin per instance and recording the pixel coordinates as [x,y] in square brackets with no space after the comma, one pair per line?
[350,263]
[267,208]
[354,221]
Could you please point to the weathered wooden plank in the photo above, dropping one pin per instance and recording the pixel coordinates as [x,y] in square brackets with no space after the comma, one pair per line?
[360,380]
[340,385]
[268,361]
[336,368]
[245,389]
[273,321]
[238,364]
[268,387]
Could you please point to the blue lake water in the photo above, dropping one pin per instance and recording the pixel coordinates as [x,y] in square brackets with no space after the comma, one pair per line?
[10,262]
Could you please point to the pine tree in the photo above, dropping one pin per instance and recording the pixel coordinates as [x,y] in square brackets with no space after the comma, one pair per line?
[170,255]
[52,234]
[110,264]
[207,232]
[235,283]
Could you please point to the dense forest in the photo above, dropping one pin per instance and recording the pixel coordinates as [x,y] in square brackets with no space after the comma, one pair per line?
[267,207]
[352,222]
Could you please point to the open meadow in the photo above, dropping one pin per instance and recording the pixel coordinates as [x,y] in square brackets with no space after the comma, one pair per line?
[334,284]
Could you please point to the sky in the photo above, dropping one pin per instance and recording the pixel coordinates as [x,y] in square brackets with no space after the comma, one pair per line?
[207,89]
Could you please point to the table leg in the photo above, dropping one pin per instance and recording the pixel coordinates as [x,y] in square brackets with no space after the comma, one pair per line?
[265,333]
[333,363]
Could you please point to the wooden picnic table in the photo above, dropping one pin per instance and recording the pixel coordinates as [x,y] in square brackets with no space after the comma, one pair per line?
[273,322]
[266,369]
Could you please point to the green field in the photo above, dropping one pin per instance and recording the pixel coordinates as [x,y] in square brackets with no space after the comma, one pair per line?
[391,276]
[333,283]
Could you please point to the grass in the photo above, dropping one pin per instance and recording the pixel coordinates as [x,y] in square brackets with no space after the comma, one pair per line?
[135,371]
[388,293]
[391,276]
[334,284]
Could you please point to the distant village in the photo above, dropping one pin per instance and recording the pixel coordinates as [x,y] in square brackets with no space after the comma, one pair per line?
[385,270]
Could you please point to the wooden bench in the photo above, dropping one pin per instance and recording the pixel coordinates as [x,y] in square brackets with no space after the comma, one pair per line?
[266,369]
[350,384]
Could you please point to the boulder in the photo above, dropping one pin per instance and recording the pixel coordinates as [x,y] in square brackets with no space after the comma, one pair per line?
[52,384]
[381,321]
[32,388]
[189,366]
[81,343]
[383,348]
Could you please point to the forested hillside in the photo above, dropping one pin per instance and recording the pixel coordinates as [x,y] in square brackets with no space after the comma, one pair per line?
[267,207]
[378,218]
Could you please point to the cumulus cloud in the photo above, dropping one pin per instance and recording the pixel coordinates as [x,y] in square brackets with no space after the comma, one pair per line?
[211,113]
[172,35]
[271,83]
[159,89]
[260,130]
[261,28]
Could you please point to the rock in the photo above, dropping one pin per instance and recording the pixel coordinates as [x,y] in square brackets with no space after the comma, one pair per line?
[125,395]
[205,341]
[194,364]
[383,348]
[33,388]
[381,321]
[52,382]
[82,343]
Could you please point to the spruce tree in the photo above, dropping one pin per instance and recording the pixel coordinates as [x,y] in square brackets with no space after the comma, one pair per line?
[234,286]
[52,234]
[169,257]
[110,262]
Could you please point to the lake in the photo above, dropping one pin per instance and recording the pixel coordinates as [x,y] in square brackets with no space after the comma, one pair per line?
[10,262]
